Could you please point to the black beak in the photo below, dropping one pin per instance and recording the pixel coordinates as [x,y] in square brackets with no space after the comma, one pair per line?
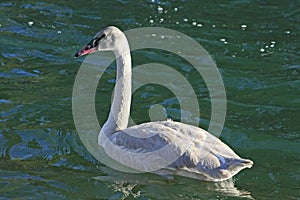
[90,47]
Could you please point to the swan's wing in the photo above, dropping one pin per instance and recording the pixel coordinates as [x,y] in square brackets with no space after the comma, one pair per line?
[146,147]
[202,139]
[208,158]
[151,136]
[190,151]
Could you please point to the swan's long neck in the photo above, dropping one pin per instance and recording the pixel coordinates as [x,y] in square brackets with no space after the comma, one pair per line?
[120,107]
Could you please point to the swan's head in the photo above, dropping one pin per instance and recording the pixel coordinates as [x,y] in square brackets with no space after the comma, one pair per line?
[108,39]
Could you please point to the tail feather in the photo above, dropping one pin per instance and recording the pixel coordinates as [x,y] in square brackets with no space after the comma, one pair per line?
[236,165]
[228,168]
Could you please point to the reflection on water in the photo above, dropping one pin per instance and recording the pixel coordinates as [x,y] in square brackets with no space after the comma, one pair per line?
[134,185]
[254,43]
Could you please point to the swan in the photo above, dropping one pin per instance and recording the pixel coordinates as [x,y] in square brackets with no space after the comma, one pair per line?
[188,150]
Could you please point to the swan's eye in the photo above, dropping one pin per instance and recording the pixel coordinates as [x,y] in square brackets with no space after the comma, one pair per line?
[98,39]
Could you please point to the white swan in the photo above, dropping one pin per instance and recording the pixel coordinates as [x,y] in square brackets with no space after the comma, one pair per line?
[185,150]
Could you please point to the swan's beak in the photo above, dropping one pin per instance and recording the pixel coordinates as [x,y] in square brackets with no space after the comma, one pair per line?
[85,50]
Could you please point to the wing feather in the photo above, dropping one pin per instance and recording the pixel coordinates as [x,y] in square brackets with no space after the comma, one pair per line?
[198,153]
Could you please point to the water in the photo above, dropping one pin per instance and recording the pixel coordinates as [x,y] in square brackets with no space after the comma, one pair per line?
[254,43]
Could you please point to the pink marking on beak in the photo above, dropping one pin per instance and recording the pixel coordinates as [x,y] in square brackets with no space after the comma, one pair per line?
[85,50]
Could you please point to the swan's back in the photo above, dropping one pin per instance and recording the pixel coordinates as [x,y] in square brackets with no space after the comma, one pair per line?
[199,154]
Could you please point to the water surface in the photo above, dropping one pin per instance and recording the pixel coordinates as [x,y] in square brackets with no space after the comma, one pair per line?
[254,43]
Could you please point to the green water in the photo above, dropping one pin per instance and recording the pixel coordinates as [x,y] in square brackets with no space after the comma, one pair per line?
[254,43]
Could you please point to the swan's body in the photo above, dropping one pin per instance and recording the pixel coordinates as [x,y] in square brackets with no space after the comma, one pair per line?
[198,154]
